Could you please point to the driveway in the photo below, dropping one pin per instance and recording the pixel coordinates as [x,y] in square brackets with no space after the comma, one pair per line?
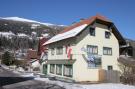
[10,80]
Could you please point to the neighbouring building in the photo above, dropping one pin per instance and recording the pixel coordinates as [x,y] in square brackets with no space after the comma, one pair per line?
[84,50]
[128,49]
[127,53]
[42,52]
[33,59]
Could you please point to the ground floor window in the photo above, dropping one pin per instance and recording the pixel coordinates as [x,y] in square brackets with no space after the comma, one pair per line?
[68,70]
[52,68]
[59,69]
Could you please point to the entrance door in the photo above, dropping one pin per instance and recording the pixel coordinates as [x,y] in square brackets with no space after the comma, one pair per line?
[44,68]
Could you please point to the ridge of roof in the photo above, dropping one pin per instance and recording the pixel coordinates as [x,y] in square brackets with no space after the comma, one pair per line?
[85,21]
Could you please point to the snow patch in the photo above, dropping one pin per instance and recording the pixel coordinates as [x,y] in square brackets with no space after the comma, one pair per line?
[7,34]
[22,35]
[88,86]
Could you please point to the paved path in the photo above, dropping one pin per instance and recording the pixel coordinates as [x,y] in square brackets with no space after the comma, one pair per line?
[10,80]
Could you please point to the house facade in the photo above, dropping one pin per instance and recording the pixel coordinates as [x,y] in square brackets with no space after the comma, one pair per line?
[84,50]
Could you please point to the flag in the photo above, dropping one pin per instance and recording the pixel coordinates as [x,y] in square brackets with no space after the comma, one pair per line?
[69,49]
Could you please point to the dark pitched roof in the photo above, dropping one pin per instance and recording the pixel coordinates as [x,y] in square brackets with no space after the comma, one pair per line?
[86,21]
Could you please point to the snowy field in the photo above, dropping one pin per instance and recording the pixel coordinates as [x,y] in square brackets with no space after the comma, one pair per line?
[77,86]
[88,86]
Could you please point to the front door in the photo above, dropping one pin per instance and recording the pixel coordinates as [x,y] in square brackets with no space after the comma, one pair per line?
[44,68]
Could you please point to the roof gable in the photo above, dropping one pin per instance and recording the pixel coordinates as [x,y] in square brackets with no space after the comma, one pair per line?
[76,28]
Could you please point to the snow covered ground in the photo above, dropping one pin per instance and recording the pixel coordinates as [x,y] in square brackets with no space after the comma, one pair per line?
[77,86]
[88,86]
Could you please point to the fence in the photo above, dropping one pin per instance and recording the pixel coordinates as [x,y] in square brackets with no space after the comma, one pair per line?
[112,76]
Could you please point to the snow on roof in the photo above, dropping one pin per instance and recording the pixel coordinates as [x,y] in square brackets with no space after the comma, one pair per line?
[66,35]
[45,35]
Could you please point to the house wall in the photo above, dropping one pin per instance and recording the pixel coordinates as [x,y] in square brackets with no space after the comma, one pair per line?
[81,72]
[100,41]
[70,41]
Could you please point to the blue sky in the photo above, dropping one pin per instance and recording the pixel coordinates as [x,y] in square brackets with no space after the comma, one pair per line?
[121,12]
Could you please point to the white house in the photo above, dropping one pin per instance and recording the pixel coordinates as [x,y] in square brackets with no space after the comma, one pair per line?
[84,50]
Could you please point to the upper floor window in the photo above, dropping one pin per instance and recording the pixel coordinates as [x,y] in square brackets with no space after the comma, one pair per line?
[59,50]
[107,51]
[92,49]
[107,34]
[52,51]
[92,31]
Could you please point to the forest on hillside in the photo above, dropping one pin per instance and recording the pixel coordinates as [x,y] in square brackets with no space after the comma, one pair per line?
[31,35]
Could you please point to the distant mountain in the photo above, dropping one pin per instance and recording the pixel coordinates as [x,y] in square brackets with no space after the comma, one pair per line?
[21,25]
[28,20]
[23,33]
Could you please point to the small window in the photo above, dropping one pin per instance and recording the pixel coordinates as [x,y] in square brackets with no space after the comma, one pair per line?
[110,68]
[92,31]
[107,51]
[91,49]
[52,68]
[68,70]
[52,51]
[59,69]
[107,34]
[59,50]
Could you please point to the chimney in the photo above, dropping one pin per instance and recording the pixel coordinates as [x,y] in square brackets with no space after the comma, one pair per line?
[82,19]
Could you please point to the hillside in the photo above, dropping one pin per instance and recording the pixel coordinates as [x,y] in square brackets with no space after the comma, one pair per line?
[20,33]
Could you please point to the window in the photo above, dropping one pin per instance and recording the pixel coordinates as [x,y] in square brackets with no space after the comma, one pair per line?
[68,70]
[92,49]
[59,69]
[92,31]
[52,68]
[59,50]
[107,51]
[109,67]
[52,51]
[107,34]
[94,61]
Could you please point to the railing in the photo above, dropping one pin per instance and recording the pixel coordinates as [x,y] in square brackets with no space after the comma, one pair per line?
[93,60]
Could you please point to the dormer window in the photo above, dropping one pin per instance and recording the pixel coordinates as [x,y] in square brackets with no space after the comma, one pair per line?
[107,34]
[92,31]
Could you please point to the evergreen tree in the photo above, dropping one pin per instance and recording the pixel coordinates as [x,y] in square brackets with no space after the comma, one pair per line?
[7,58]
